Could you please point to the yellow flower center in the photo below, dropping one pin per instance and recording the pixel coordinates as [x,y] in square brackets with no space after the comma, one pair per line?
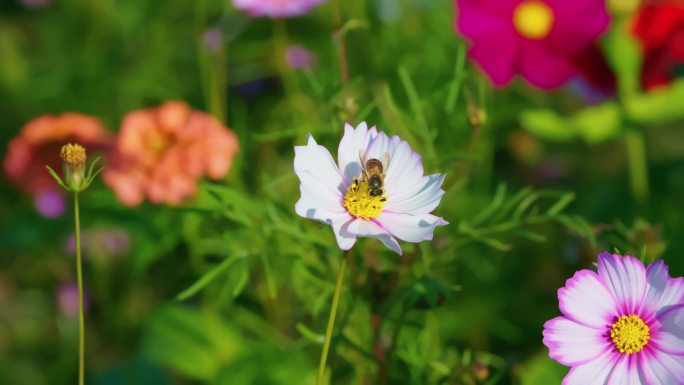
[74,155]
[360,203]
[630,334]
[533,19]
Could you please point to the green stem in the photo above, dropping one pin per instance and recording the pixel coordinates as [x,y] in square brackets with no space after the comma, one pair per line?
[638,164]
[79,272]
[331,321]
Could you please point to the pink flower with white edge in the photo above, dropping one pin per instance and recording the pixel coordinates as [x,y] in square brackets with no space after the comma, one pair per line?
[624,325]
[376,189]
[276,8]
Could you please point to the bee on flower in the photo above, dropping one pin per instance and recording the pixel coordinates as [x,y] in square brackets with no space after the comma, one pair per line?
[376,189]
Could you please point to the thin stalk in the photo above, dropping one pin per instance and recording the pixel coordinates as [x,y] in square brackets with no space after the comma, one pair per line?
[339,40]
[331,321]
[79,273]
[638,164]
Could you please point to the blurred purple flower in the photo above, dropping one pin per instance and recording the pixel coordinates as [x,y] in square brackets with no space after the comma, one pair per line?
[114,242]
[212,39]
[298,57]
[49,203]
[276,8]
[67,297]
[101,243]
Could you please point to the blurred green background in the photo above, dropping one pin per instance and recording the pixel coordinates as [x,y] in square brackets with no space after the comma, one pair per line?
[233,287]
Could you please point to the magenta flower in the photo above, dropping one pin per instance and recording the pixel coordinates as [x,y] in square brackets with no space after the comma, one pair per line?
[537,39]
[276,8]
[624,325]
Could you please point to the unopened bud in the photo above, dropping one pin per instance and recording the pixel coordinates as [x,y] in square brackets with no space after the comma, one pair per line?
[74,158]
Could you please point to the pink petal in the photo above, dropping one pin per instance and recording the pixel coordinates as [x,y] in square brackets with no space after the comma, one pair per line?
[669,336]
[543,68]
[627,279]
[586,299]
[661,290]
[353,140]
[410,228]
[660,368]
[569,35]
[498,57]
[626,371]
[574,344]
[475,19]
[595,372]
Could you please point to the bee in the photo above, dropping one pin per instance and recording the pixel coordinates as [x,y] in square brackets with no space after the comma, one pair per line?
[374,173]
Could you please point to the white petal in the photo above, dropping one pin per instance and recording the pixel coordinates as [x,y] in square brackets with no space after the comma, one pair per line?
[626,276]
[424,200]
[410,228]
[404,174]
[659,368]
[371,229]
[595,372]
[316,195]
[317,161]
[626,371]
[571,343]
[586,300]
[377,147]
[353,141]
[338,221]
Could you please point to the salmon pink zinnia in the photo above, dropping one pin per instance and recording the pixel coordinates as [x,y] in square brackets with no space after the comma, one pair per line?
[161,153]
[276,8]
[38,145]
[624,325]
[343,196]
[537,39]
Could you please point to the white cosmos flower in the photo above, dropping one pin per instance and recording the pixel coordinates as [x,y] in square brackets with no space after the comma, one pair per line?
[338,194]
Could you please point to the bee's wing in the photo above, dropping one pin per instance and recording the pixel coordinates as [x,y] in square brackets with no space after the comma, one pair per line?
[385,158]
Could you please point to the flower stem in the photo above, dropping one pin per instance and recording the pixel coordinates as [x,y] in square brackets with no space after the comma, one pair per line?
[339,39]
[331,321]
[79,272]
[638,164]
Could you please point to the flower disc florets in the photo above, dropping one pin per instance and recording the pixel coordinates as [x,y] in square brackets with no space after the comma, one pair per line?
[360,203]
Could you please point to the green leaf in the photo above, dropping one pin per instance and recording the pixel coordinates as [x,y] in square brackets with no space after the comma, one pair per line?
[208,277]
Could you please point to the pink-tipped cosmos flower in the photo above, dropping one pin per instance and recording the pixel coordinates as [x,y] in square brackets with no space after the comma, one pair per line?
[537,39]
[624,325]
[276,9]
[340,194]
[162,152]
